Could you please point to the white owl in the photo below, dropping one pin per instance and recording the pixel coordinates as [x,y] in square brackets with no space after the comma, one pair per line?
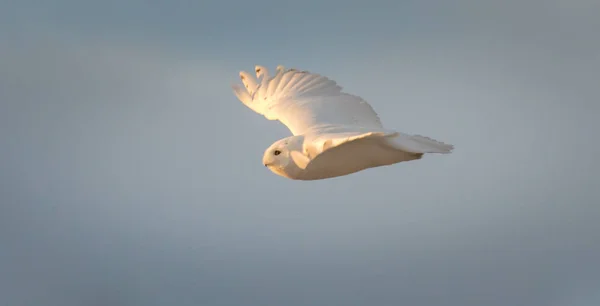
[334,133]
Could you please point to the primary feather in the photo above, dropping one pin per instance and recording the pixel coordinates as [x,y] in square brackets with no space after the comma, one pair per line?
[303,100]
[314,108]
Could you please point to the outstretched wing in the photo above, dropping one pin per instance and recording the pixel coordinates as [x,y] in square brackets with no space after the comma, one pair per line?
[305,101]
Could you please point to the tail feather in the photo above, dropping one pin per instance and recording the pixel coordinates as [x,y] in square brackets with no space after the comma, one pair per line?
[432,145]
[420,144]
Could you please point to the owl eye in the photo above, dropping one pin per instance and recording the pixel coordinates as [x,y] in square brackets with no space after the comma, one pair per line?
[276,152]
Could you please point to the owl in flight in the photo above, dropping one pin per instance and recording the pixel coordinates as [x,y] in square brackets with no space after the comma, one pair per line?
[334,133]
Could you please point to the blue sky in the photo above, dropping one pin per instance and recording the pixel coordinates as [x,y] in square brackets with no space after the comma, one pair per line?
[131,175]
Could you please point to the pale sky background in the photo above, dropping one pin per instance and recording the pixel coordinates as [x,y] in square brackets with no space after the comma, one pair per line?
[131,175]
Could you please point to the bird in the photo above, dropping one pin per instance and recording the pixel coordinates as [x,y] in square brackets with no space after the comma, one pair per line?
[334,133]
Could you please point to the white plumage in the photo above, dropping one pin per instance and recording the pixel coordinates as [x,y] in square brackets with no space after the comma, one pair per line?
[334,133]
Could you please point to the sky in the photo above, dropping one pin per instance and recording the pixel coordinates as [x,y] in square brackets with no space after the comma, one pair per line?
[130,174]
